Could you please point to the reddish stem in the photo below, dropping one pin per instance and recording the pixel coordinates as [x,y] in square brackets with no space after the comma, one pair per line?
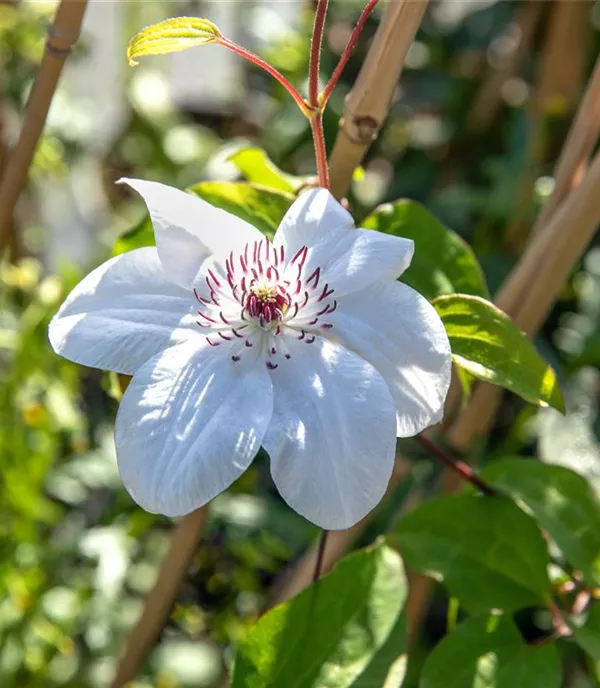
[341,65]
[460,467]
[315,52]
[234,47]
[316,124]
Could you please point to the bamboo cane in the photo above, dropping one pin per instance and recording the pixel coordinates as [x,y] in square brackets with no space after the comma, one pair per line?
[572,162]
[578,147]
[368,102]
[488,98]
[159,600]
[61,37]
[569,172]
[563,65]
[548,263]
[559,81]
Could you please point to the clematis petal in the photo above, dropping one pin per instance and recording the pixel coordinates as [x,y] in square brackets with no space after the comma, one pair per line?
[399,332]
[188,229]
[123,313]
[190,422]
[332,437]
[358,259]
[313,216]
[349,259]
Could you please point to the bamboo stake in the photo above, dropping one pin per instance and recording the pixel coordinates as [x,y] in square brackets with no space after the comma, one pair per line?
[578,147]
[61,37]
[12,240]
[548,262]
[572,161]
[572,226]
[487,99]
[367,104]
[559,80]
[565,227]
[159,600]
[563,63]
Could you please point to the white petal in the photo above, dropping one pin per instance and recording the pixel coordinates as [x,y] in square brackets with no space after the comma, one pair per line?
[189,424]
[312,217]
[358,259]
[188,229]
[332,437]
[123,313]
[349,259]
[399,332]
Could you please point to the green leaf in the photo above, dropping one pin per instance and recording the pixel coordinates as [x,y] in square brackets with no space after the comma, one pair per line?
[141,234]
[343,631]
[488,652]
[587,634]
[171,35]
[264,208]
[563,503]
[257,168]
[488,552]
[466,381]
[486,342]
[443,262]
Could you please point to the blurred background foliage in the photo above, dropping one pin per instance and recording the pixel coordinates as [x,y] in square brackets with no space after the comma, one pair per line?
[485,101]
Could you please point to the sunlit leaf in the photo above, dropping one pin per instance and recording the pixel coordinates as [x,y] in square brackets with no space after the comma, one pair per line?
[466,381]
[486,342]
[345,631]
[562,502]
[443,262]
[141,234]
[264,208]
[171,35]
[487,551]
[257,168]
[489,652]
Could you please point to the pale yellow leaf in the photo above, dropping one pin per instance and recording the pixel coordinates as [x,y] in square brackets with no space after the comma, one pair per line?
[172,35]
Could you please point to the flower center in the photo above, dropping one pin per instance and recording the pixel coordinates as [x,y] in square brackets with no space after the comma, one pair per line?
[255,296]
[267,302]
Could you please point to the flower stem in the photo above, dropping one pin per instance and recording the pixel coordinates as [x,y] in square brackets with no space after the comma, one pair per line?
[343,61]
[320,554]
[460,467]
[234,47]
[315,52]
[316,125]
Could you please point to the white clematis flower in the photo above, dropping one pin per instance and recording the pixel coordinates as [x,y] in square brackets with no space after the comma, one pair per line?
[307,346]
